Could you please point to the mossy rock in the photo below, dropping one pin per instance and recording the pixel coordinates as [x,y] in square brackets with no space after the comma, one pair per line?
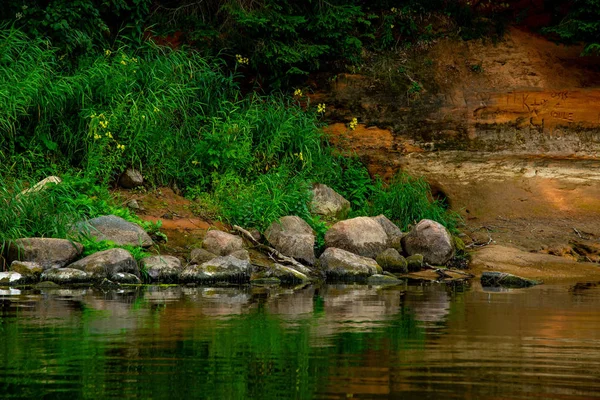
[459,245]
[501,279]
[414,262]
[391,260]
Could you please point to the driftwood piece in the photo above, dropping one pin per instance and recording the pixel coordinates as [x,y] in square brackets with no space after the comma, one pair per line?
[442,271]
[274,254]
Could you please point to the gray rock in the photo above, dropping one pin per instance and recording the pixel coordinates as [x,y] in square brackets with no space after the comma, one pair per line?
[113,228]
[282,273]
[30,271]
[378,279]
[414,262]
[133,204]
[200,256]
[391,260]
[340,264]
[165,269]
[66,276]
[126,278]
[362,235]
[241,254]
[293,237]
[220,269]
[48,252]
[389,227]
[131,178]
[328,203]
[430,239]
[13,278]
[105,264]
[222,243]
[501,279]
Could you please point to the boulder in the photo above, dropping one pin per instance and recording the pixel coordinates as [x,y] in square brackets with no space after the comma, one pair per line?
[222,243]
[131,178]
[126,278]
[66,276]
[340,264]
[165,269]
[280,272]
[293,237]
[48,252]
[220,269]
[430,239]
[328,203]
[380,280]
[362,235]
[13,278]
[30,271]
[414,262]
[241,254]
[105,264]
[496,279]
[390,260]
[200,256]
[114,229]
[389,227]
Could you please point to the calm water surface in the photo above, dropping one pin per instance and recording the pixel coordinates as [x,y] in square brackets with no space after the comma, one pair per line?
[419,341]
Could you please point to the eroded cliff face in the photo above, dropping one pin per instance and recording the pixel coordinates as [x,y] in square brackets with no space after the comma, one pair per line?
[509,131]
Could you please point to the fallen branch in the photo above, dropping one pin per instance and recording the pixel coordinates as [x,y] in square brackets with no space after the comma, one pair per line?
[272,253]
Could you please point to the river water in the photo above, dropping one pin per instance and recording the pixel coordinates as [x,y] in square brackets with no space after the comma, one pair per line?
[349,341]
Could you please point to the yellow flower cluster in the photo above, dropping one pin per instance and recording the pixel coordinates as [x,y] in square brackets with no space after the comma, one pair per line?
[298,92]
[321,108]
[107,52]
[353,124]
[121,147]
[241,60]
[394,9]
[195,162]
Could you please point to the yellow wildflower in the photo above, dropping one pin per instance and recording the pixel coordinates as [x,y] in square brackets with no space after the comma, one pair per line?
[109,135]
[123,62]
[96,136]
[107,52]
[195,162]
[298,92]
[353,124]
[321,108]
[241,60]
[103,124]
[392,26]
[156,109]
[394,9]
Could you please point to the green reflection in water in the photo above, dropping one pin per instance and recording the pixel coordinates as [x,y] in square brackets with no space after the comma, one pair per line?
[253,355]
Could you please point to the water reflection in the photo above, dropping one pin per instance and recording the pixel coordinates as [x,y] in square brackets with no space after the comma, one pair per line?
[333,341]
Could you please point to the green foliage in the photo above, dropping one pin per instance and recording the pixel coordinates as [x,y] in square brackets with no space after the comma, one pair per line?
[75,26]
[581,24]
[407,200]
[52,211]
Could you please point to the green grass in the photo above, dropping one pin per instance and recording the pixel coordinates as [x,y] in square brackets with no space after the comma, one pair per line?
[180,119]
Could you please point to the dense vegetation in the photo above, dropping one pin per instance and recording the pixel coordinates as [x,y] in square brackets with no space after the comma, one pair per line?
[198,95]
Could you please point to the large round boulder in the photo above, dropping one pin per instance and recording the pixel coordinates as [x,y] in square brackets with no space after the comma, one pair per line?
[293,237]
[114,229]
[362,235]
[104,264]
[221,269]
[48,252]
[222,243]
[342,265]
[432,240]
[328,203]
[165,269]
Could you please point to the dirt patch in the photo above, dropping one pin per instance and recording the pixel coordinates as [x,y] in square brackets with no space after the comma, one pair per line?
[184,229]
